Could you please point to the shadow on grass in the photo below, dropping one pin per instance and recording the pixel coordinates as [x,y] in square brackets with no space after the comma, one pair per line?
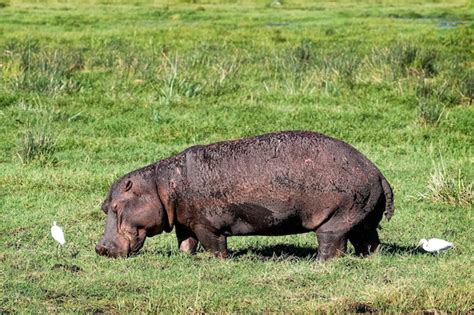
[279,251]
[293,252]
[288,251]
[392,249]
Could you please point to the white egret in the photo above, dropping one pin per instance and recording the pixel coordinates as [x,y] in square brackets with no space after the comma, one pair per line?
[435,245]
[275,3]
[57,234]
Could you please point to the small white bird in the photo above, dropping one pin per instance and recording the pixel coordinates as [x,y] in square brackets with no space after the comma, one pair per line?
[435,245]
[275,3]
[57,234]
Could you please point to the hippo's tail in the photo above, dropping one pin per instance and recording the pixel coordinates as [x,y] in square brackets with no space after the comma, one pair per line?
[387,190]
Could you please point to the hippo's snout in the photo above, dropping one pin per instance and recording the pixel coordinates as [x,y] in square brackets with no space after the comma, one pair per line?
[101,250]
[109,250]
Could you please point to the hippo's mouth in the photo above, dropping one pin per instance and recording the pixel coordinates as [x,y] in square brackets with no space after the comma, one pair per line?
[135,244]
[136,247]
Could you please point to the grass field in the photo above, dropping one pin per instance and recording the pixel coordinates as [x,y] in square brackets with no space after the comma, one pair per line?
[90,91]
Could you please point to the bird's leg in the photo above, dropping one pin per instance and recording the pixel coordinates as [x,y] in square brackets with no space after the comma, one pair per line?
[59,251]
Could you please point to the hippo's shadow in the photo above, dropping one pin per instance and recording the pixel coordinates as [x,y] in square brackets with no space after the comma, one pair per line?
[278,251]
[289,251]
[392,249]
[293,252]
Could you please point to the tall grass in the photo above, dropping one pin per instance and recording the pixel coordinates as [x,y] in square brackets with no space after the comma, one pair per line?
[39,69]
[37,141]
[174,82]
[449,186]
[430,111]
[37,144]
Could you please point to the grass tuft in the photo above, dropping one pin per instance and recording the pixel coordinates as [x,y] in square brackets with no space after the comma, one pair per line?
[449,186]
[173,84]
[402,57]
[37,145]
[430,111]
[43,70]
[304,51]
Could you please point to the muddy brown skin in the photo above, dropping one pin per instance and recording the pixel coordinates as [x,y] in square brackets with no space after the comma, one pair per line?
[274,184]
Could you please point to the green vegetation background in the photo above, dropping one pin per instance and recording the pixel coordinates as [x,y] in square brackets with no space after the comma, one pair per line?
[92,90]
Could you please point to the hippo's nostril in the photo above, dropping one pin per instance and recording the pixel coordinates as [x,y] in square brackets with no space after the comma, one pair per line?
[101,250]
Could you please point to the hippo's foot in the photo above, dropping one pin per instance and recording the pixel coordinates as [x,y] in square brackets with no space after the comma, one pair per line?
[187,241]
[330,245]
[365,242]
[189,245]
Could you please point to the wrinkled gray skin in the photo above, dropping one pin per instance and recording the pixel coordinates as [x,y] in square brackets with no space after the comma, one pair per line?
[274,184]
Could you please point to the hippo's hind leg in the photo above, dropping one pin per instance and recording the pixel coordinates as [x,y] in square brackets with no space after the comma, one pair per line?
[187,241]
[331,244]
[364,236]
[365,241]
[332,237]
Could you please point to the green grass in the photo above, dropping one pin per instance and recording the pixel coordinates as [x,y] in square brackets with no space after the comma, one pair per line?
[90,91]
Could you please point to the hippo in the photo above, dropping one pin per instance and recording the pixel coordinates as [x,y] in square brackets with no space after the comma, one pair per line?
[274,184]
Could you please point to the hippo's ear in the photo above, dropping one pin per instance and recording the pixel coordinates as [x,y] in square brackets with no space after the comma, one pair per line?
[105,206]
[129,185]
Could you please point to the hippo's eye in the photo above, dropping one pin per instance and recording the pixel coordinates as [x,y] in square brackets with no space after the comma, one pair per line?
[114,207]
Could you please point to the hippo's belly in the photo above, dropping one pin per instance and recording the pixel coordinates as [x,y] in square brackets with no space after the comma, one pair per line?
[254,219]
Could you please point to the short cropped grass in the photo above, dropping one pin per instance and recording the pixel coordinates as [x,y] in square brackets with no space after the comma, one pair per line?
[91,90]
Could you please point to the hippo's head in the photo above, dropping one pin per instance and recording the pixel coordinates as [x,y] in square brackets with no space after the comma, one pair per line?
[134,211]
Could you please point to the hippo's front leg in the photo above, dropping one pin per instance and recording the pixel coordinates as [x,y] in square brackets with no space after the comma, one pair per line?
[187,241]
[211,241]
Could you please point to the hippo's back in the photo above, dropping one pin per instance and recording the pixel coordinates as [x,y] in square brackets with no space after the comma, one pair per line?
[303,162]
